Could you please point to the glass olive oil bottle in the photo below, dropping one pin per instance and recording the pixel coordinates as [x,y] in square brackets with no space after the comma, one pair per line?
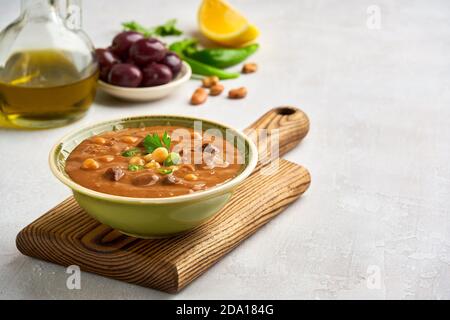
[44,87]
[48,69]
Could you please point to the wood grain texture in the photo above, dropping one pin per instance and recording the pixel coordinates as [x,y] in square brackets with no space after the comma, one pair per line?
[67,235]
[292,125]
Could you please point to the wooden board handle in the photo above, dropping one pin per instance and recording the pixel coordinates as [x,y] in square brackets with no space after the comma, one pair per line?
[291,122]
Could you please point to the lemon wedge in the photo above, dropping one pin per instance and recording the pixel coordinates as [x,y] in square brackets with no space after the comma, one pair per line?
[221,23]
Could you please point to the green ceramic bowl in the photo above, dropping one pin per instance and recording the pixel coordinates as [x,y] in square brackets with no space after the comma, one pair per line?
[150,217]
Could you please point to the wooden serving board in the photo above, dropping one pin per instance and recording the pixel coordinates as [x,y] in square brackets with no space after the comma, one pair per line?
[66,235]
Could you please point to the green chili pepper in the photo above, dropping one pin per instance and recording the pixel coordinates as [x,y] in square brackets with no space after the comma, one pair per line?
[183,45]
[222,58]
[207,70]
[198,67]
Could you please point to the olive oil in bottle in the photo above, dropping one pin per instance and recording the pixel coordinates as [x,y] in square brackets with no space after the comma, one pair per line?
[44,88]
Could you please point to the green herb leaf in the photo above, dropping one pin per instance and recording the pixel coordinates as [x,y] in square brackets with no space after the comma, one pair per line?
[131,152]
[152,142]
[134,26]
[165,171]
[135,167]
[167,29]
[166,140]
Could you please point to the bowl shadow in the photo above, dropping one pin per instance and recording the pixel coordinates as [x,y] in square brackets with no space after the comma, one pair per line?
[105,100]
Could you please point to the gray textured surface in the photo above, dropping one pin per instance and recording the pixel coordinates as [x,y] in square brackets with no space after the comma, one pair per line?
[378,151]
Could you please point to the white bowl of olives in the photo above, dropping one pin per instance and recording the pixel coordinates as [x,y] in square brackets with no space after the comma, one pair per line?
[137,68]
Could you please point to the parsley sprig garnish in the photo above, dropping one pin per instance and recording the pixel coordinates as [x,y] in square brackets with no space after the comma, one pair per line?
[152,142]
[167,29]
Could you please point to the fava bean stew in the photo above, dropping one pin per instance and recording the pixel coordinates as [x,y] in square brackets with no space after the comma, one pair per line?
[153,162]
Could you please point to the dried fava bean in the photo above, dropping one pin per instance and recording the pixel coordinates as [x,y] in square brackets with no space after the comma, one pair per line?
[238,93]
[170,179]
[190,177]
[188,166]
[249,68]
[90,164]
[99,140]
[129,139]
[216,89]
[208,82]
[160,154]
[106,158]
[146,179]
[199,187]
[114,173]
[199,96]
[209,148]
[137,161]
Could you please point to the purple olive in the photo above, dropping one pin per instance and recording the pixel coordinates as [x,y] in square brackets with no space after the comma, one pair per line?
[106,58]
[123,42]
[156,74]
[104,73]
[125,75]
[173,62]
[146,51]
